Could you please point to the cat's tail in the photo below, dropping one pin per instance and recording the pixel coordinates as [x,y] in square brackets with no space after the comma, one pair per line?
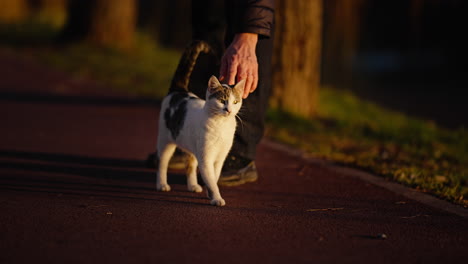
[181,78]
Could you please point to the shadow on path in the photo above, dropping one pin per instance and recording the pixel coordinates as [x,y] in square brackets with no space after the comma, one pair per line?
[83,175]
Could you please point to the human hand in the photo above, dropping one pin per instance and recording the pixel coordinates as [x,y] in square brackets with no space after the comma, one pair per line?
[239,62]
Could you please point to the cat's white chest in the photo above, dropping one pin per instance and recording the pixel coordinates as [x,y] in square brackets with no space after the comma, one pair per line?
[220,131]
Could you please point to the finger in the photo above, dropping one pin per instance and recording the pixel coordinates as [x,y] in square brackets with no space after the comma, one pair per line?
[255,78]
[231,73]
[242,73]
[254,83]
[248,86]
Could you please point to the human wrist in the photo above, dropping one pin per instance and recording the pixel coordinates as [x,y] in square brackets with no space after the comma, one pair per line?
[250,38]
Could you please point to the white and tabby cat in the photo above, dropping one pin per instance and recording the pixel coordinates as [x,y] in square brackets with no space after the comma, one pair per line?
[202,128]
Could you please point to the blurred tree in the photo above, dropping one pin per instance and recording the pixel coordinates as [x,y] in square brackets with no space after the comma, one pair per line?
[297,56]
[342,25]
[113,23]
[416,20]
[167,21]
[107,23]
[13,11]
[51,12]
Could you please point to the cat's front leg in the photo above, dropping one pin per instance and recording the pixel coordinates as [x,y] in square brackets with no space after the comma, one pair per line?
[218,166]
[208,174]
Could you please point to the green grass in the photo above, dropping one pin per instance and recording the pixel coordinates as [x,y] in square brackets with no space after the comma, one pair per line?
[147,70]
[347,130]
[27,33]
[351,131]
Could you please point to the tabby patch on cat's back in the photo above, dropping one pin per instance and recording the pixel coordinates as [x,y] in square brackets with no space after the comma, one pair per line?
[175,114]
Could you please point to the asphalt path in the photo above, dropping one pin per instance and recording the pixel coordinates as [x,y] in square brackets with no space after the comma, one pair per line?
[74,189]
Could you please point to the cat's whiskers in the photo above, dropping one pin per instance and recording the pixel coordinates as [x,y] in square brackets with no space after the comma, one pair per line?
[240,120]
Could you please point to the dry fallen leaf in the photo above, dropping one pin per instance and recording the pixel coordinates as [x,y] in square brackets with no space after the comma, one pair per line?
[382,236]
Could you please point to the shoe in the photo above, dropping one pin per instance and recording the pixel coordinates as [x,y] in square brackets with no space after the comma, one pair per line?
[237,170]
[177,162]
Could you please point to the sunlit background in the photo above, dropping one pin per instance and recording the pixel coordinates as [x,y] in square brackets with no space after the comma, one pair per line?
[384,81]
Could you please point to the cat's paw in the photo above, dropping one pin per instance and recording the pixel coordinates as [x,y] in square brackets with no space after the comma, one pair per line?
[218,202]
[195,188]
[163,187]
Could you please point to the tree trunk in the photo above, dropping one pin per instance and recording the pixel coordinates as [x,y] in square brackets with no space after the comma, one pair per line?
[13,11]
[341,38]
[107,23]
[297,56]
[113,23]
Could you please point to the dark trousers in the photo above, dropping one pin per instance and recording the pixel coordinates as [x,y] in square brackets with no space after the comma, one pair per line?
[210,22]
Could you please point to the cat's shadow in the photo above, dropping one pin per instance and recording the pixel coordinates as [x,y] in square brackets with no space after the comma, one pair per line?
[67,172]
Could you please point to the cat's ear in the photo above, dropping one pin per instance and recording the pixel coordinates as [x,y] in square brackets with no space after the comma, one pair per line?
[239,87]
[213,84]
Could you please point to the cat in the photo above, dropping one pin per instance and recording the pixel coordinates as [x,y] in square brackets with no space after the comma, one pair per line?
[204,129]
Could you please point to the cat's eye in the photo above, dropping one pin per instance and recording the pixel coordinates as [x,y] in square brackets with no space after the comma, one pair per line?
[235,101]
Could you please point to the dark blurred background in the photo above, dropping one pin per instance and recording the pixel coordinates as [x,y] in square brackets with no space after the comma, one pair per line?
[407,55]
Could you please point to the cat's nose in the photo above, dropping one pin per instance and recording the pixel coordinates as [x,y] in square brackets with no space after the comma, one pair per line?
[227,110]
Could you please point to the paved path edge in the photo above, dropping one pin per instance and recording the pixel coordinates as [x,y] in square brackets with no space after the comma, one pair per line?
[397,188]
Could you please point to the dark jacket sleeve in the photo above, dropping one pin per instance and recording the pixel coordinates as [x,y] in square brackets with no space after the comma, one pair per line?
[252,16]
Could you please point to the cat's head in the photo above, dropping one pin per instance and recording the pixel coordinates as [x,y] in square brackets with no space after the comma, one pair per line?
[223,99]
